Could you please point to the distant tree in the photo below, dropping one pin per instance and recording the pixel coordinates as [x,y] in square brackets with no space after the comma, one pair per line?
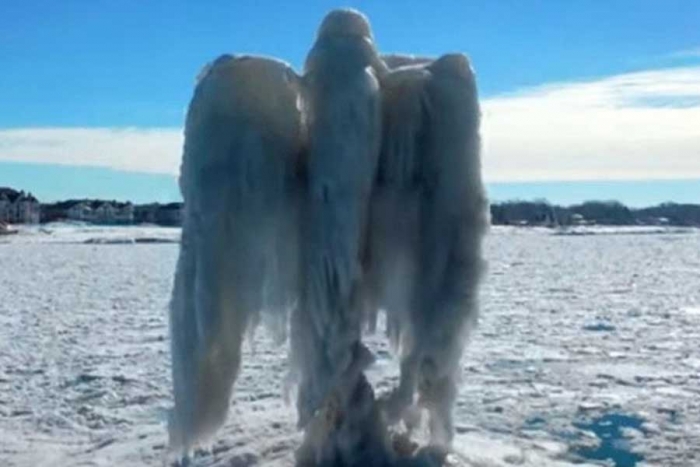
[538,212]
[674,214]
[605,212]
[541,212]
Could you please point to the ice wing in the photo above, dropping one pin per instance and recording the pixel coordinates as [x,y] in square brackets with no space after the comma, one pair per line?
[394,228]
[454,220]
[429,214]
[239,179]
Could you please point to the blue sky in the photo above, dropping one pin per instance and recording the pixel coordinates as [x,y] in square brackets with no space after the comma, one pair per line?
[574,91]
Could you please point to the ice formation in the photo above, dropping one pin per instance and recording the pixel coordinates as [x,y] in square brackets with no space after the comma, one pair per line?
[321,199]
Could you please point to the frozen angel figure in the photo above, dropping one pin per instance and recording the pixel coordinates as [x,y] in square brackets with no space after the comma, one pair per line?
[319,200]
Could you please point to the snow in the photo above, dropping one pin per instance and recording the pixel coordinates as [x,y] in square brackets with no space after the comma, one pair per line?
[622,230]
[77,232]
[84,360]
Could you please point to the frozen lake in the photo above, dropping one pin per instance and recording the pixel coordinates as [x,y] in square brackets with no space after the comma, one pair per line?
[588,349]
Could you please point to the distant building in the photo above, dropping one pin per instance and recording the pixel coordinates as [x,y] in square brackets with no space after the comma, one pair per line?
[78,211]
[18,207]
[146,213]
[160,214]
[93,211]
[578,219]
[111,212]
[169,214]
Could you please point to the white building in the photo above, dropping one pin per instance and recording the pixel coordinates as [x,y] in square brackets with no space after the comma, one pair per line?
[18,207]
[79,211]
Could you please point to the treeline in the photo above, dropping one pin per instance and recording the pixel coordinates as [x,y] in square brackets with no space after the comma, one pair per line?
[543,213]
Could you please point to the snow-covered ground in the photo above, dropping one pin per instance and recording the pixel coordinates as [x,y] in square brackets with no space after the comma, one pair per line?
[81,233]
[587,349]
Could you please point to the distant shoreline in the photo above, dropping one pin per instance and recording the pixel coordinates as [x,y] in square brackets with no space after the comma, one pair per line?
[19,207]
[538,213]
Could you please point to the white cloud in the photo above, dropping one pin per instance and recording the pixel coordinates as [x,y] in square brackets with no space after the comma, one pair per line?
[686,53]
[633,126]
[133,149]
[642,125]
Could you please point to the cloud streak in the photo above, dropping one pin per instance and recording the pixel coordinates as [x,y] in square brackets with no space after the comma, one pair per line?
[686,53]
[627,127]
[156,150]
[632,126]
